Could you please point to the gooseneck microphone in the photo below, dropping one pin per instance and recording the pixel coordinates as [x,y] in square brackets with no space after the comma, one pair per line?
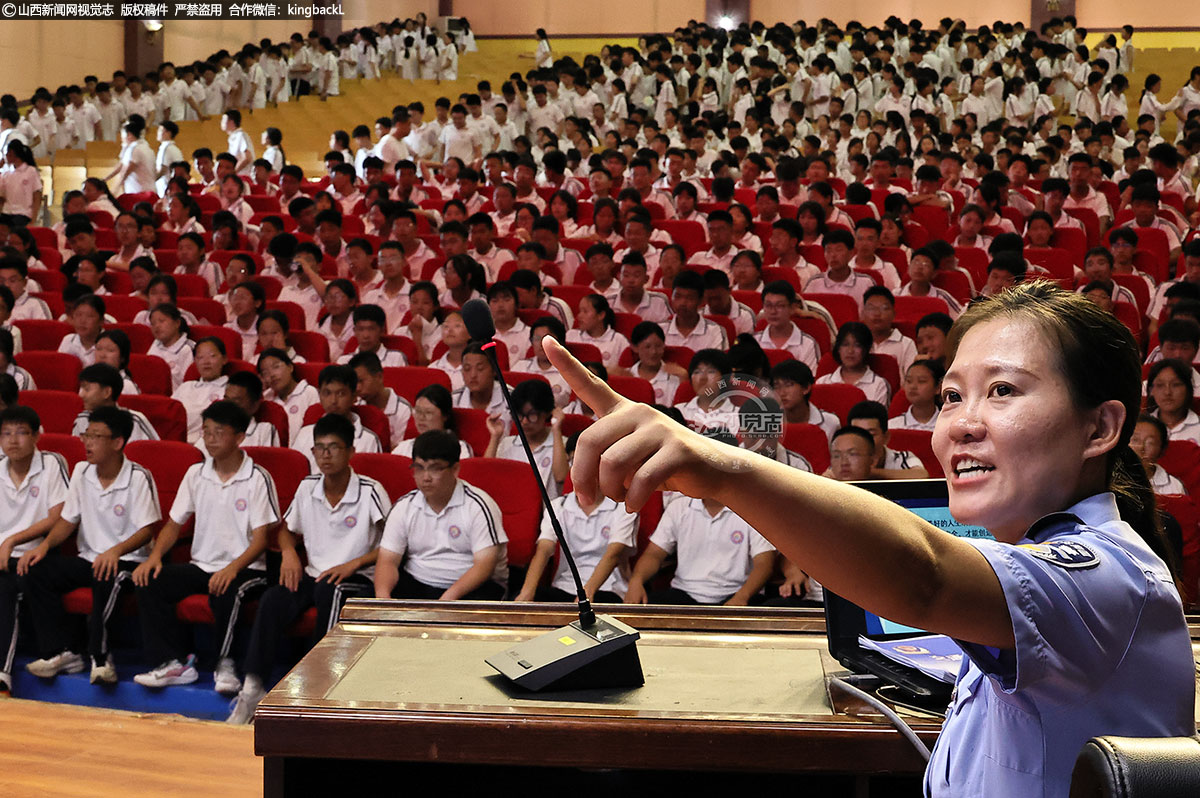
[477,317]
[593,652]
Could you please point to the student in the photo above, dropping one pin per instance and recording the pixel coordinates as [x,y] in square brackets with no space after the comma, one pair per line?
[530,295]
[709,409]
[793,382]
[235,505]
[208,387]
[850,350]
[781,332]
[648,342]
[597,326]
[720,558]
[838,277]
[445,540]
[112,503]
[603,539]
[542,423]
[88,319]
[34,487]
[245,390]
[1179,338]
[171,342]
[687,327]
[339,514]
[932,329]
[1150,441]
[278,375]
[23,378]
[1170,391]
[922,386]
[425,320]
[336,390]
[481,384]
[879,314]
[273,330]
[392,294]
[100,385]
[433,410]
[888,464]
[372,391]
[634,297]
[511,332]
[247,302]
[370,324]
[341,297]
[14,273]
[308,290]
[922,268]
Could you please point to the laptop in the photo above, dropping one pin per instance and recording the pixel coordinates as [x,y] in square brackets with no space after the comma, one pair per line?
[845,621]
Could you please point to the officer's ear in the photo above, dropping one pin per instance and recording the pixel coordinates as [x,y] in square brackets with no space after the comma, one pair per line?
[1108,419]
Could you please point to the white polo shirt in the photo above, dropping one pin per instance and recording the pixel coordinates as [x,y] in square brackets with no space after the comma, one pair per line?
[143,430]
[495,260]
[853,286]
[388,358]
[664,384]
[714,261]
[515,339]
[1164,484]
[394,306]
[792,459]
[398,412]
[109,515]
[826,421]
[1093,201]
[723,416]
[23,378]
[452,371]
[365,442]
[462,398]
[44,486]
[875,387]
[653,307]
[72,345]
[909,421]
[226,512]
[589,536]
[705,335]
[302,397]
[338,534]
[261,433]
[30,307]
[715,554]
[178,357]
[405,449]
[441,547]
[562,391]
[1186,430]
[800,345]
[510,448]
[196,396]
[898,346]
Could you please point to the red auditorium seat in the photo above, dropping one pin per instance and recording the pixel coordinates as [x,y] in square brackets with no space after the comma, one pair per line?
[233,341]
[955,282]
[287,468]
[166,414]
[371,417]
[843,308]
[232,366]
[123,308]
[635,388]
[167,461]
[391,470]
[207,311]
[883,365]
[273,413]
[48,279]
[407,381]
[912,308]
[117,283]
[514,378]
[1181,460]
[1184,510]
[65,444]
[140,336]
[690,235]
[151,374]
[919,442]
[51,371]
[1073,241]
[56,409]
[837,398]
[516,491]
[42,334]
[1091,223]
[295,313]
[472,428]
[808,440]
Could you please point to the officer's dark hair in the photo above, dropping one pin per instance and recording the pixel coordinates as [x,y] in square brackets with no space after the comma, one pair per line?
[339,427]
[26,416]
[118,420]
[857,432]
[227,414]
[105,376]
[437,444]
[1101,361]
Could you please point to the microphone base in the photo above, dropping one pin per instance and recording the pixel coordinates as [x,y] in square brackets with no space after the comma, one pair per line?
[573,658]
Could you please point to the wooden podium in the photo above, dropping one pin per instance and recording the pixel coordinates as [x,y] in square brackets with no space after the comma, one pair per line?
[398,693]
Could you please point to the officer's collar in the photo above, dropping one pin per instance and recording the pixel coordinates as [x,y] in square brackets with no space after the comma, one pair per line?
[1048,525]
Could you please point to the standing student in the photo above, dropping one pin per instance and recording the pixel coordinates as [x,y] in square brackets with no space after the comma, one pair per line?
[445,540]
[336,390]
[101,385]
[339,514]
[112,505]
[234,503]
[542,424]
[33,484]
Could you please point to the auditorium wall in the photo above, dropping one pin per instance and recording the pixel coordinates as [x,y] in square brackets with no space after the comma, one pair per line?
[52,54]
[185,42]
[362,13]
[493,18]
[870,12]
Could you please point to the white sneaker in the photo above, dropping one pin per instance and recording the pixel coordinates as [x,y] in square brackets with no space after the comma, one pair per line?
[170,673]
[64,662]
[104,674]
[242,708]
[226,678]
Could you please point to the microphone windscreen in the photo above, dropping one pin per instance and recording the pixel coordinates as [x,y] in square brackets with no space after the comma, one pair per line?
[477,316]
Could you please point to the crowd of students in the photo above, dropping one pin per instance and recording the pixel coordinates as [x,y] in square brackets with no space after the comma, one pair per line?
[759,201]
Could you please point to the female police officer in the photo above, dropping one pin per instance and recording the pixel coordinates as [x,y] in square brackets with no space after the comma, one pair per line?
[1070,620]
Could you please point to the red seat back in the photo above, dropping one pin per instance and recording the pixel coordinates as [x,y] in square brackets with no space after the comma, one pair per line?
[56,409]
[151,374]
[166,414]
[45,334]
[1183,509]
[65,444]
[207,311]
[287,468]
[919,442]
[393,472]
[408,381]
[141,338]
[840,306]
[371,417]
[912,308]
[472,428]
[515,490]
[273,413]
[837,398]
[232,341]
[808,440]
[635,388]
[51,371]
[168,461]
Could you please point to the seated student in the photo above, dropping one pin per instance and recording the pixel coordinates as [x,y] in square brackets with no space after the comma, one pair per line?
[1006,270]
[781,332]
[34,486]
[1149,442]
[687,327]
[1123,242]
[336,390]
[339,513]
[445,540]
[1098,267]
[481,384]
[839,277]
[785,243]
[305,286]
[539,364]
[851,455]
[542,423]
[278,375]
[1178,338]
[245,390]
[634,297]
[970,225]
[922,388]
[433,410]
[392,291]
[850,350]
[603,538]
[792,382]
[273,329]
[100,385]
[1169,391]
[87,318]
[709,410]
[23,378]
[879,314]
[372,391]
[112,503]
[720,558]
[161,289]
[601,266]
[113,349]
[648,342]
[340,300]
[491,257]
[208,387]
[511,331]
[171,341]
[425,320]
[453,333]
[922,268]
[888,464]
[14,273]
[234,503]
[597,325]
[932,329]
[247,301]
[370,325]
[867,234]
[190,251]
[530,295]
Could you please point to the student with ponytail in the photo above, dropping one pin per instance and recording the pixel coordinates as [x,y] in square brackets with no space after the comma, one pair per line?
[1070,619]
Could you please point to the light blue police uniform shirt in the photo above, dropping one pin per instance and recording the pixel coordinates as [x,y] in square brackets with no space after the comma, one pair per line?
[1101,648]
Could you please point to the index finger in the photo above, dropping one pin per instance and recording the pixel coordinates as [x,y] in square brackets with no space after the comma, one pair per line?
[589,388]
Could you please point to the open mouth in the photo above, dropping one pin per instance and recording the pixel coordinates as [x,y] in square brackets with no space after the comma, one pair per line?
[968,467]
